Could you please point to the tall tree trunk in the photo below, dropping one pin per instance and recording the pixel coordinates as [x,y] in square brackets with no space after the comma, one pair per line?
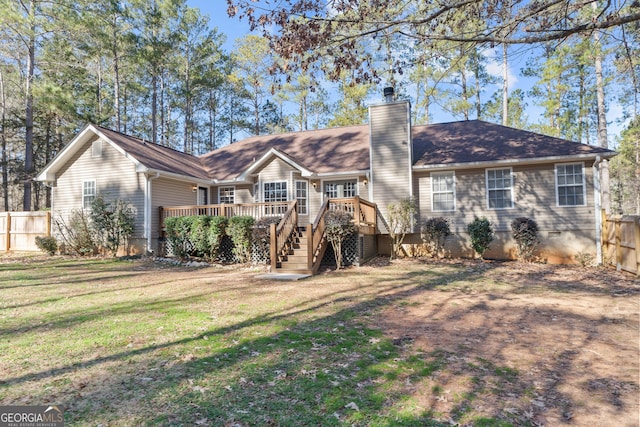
[116,74]
[476,63]
[602,113]
[28,143]
[3,139]
[154,107]
[505,86]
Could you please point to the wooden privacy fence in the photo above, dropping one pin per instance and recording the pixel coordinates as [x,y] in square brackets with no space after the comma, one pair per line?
[18,230]
[621,242]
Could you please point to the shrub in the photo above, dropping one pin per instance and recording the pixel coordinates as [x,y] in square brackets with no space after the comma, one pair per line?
[481,233]
[338,226]
[261,234]
[47,244]
[525,232]
[239,230]
[215,234]
[112,223]
[199,235]
[400,219]
[434,233]
[178,231]
[76,234]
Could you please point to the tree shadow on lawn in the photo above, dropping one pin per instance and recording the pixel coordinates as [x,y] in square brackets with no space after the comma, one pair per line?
[317,368]
[320,371]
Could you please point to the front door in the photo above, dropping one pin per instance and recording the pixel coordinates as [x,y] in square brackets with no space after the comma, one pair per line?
[203,196]
[341,189]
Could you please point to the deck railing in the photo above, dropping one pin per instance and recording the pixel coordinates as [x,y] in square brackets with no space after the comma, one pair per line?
[316,240]
[256,210]
[364,212]
[364,217]
[280,234]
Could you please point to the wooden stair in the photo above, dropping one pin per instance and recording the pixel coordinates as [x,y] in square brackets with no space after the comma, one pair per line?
[296,261]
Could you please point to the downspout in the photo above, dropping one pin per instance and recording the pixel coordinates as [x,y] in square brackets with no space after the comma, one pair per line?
[597,196]
[147,209]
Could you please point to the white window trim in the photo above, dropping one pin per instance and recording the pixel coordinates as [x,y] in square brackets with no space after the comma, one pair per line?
[306,198]
[341,179]
[220,196]
[584,184]
[95,192]
[447,173]
[486,188]
[256,192]
[264,199]
[96,149]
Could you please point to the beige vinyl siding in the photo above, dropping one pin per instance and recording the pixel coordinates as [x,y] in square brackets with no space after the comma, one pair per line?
[390,153]
[534,196]
[315,200]
[115,177]
[169,192]
[277,170]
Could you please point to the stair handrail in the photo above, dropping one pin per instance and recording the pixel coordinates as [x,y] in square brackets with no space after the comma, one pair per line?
[281,233]
[316,238]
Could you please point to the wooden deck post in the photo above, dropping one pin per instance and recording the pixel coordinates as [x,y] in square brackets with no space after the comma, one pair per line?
[310,246]
[160,222]
[47,225]
[273,245]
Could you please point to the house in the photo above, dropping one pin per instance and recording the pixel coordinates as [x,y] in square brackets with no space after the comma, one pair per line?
[456,170]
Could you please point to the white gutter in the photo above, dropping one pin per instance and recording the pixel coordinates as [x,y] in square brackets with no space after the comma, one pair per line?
[468,165]
[597,197]
[147,208]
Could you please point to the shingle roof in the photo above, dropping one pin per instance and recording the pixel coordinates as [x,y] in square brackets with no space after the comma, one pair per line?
[478,141]
[321,151]
[346,149]
[157,157]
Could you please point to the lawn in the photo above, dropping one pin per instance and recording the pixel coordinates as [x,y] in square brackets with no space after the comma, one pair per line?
[416,342]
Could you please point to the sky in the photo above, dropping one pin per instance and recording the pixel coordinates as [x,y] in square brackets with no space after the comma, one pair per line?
[234,28]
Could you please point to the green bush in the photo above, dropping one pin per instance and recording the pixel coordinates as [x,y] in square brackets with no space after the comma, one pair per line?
[481,233]
[434,233]
[338,226]
[239,230]
[178,230]
[215,234]
[525,232]
[199,235]
[47,244]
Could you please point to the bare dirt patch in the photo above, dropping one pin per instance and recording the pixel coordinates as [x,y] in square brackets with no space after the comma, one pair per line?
[535,345]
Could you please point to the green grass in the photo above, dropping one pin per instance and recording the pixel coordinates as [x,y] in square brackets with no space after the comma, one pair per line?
[114,342]
[136,343]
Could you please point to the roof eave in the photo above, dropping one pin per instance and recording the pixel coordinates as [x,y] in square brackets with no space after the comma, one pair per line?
[244,176]
[532,161]
[160,173]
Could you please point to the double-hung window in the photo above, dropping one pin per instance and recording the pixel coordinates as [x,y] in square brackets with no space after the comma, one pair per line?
[443,191]
[302,197]
[499,188]
[88,193]
[227,195]
[570,185]
[274,192]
